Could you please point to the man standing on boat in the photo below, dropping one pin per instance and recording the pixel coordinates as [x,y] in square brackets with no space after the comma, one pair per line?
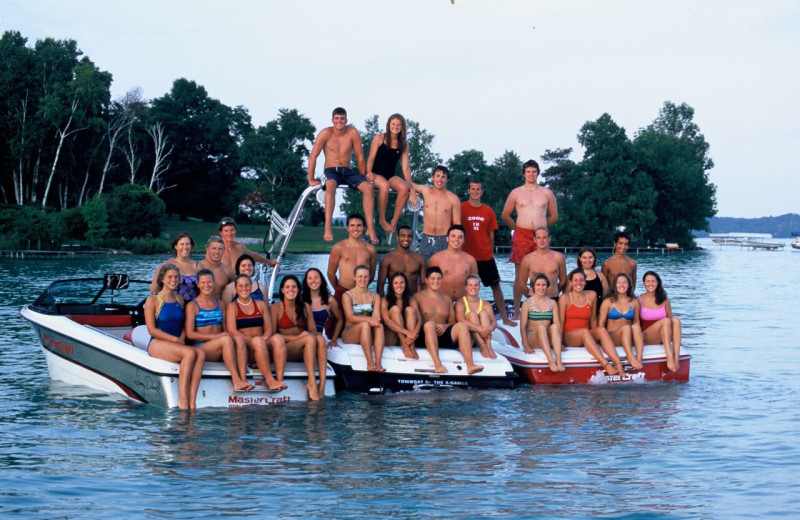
[439,329]
[442,209]
[535,207]
[402,260]
[620,262]
[349,254]
[223,273]
[455,264]
[340,142]
[545,261]
[234,249]
[480,223]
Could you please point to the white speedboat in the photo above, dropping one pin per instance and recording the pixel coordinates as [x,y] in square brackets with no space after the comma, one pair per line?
[91,335]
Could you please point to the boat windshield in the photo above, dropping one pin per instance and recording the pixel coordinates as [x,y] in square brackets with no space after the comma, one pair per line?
[90,291]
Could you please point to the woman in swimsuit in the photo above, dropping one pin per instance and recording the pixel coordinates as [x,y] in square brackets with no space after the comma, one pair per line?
[247,321]
[477,315]
[187,285]
[205,318]
[323,305]
[539,325]
[658,323]
[296,330]
[595,280]
[400,317]
[245,264]
[362,312]
[163,314]
[619,314]
[385,151]
[577,311]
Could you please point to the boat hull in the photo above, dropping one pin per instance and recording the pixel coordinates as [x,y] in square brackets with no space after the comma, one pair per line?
[99,359]
[404,374]
[582,368]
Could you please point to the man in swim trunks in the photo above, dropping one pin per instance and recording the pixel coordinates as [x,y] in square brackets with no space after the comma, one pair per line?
[349,254]
[542,260]
[455,264]
[535,206]
[340,142]
[234,249]
[223,273]
[439,329]
[441,210]
[402,260]
[480,224]
[620,262]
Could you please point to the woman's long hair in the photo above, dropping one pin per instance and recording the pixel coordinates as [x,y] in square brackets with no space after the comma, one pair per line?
[660,293]
[391,298]
[324,292]
[402,140]
[612,291]
[299,304]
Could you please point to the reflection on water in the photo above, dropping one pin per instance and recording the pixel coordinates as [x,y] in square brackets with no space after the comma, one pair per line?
[723,445]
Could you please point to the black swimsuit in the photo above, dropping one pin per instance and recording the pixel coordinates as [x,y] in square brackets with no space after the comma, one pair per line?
[386,161]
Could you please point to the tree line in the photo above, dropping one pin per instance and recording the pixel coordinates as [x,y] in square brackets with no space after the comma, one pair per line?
[66,147]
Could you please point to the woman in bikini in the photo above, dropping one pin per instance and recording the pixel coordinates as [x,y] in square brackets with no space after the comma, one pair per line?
[578,314]
[205,318]
[187,285]
[323,305]
[477,314]
[400,317]
[245,264]
[362,313]
[595,280]
[619,314]
[296,330]
[385,151]
[247,321]
[540,326]
[163,314]
[659,326]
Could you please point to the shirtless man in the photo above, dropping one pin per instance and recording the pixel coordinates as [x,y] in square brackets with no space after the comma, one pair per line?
[441,210]
[402,260]
[455,264]
[223,273]
[349,254]
[340,142]
[620,262]
[535,206]
[440,329]
[542,260]
[234,249]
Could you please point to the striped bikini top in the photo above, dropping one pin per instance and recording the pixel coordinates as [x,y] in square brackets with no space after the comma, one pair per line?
[208,317]
[535,315]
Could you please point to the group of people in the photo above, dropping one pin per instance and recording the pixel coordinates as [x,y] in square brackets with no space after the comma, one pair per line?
[424,299]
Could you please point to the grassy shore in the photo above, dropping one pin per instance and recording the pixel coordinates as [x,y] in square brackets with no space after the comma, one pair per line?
[304,239]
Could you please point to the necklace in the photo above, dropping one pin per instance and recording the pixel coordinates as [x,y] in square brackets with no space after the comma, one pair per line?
[249,301]
[525,187]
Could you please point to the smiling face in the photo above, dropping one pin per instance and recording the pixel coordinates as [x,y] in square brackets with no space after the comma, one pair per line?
[362,277]
[183,248]
[587,260]
[339,121]
[455,238]
[289,289]
[395,126]
[228,233]
[650,283]
[404,238]
[170,279]
[355,228]
[243,286]
[434,281]
[214,251]
[531,173]
[314,280]
[439,179]
[622,285]
[206,284]
[475,192]
[578,282]
[540,287]
[247,267]
[398,285]
[621,245]
[542,238]
[473,286]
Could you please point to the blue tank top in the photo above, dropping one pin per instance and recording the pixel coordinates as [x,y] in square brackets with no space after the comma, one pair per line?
[169,317]
[208,317]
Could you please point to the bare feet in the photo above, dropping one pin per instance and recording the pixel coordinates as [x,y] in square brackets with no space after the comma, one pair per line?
[635,363]
[509,323]
[440,369]
[283,385]
[246,387]
[474,369]
[529,351]
[328,236]
[560,366]
[373,367]
[313,391]
[410,353]
[273,384]
[610,370]
[372,237]
[553,366]
[386,226]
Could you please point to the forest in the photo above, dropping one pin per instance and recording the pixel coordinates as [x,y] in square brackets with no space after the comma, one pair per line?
[79,165]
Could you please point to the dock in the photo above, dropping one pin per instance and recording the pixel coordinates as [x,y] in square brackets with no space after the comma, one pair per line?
[600,250]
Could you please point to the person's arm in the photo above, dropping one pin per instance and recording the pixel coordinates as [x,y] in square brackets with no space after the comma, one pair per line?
[319,144]
[358,151]
[605,269]
[333,265]
[373,261]
[604,281]
[406,169]
[423,272]
[633,278]
[268,329]
[383,267]
[511,203]
[522,277]
[523,326]
[456,210]
[473,266]
[604,308]
[636,309]
[451,318]
[563,303]
[376,310]
[593,319]
[230,321]
[491,239]
[557,317]
[258,257]
[310,325]
[562,274]
[150,320]
[373,152]
[228,294]
[552,209]
[668,308]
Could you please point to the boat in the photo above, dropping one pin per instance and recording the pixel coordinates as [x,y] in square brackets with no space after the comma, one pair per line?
[402,374]
[796,243]
[92,334]
[582,367]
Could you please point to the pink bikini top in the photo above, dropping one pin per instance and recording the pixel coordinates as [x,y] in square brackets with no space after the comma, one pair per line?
[645,313]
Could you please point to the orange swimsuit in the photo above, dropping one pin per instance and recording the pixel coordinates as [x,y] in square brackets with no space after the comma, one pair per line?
[576,318]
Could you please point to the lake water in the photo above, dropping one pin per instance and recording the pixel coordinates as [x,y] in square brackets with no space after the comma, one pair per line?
[723,445]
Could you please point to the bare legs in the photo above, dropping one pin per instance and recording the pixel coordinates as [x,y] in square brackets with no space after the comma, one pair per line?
[303,346]
[627,335]
[459,332]
[369,338]
[258,347]
[190,372]
[667,332]
[519,289]
[401,188]
[484,344]
[584,338]
[369,209]
[544,336]
[330,203]
[499,300]
[322,362]
[234,357]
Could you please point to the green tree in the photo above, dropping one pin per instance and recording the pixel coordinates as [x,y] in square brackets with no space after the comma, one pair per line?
[674,154]
[465,166]
[134,211]
[96,215]
[562,175]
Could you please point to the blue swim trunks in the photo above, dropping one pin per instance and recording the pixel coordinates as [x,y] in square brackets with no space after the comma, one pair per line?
[343,175]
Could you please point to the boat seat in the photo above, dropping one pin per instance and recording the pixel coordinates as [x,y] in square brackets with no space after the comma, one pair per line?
[139,337]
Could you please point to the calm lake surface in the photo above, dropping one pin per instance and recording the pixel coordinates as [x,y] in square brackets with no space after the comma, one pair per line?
[723,445]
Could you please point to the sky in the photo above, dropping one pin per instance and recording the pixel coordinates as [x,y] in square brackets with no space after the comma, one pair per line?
[491,75]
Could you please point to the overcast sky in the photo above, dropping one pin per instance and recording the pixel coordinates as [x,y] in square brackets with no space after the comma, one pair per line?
[492,75]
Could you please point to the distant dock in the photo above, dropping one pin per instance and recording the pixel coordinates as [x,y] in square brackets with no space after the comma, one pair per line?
[610,250]
[34,254]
